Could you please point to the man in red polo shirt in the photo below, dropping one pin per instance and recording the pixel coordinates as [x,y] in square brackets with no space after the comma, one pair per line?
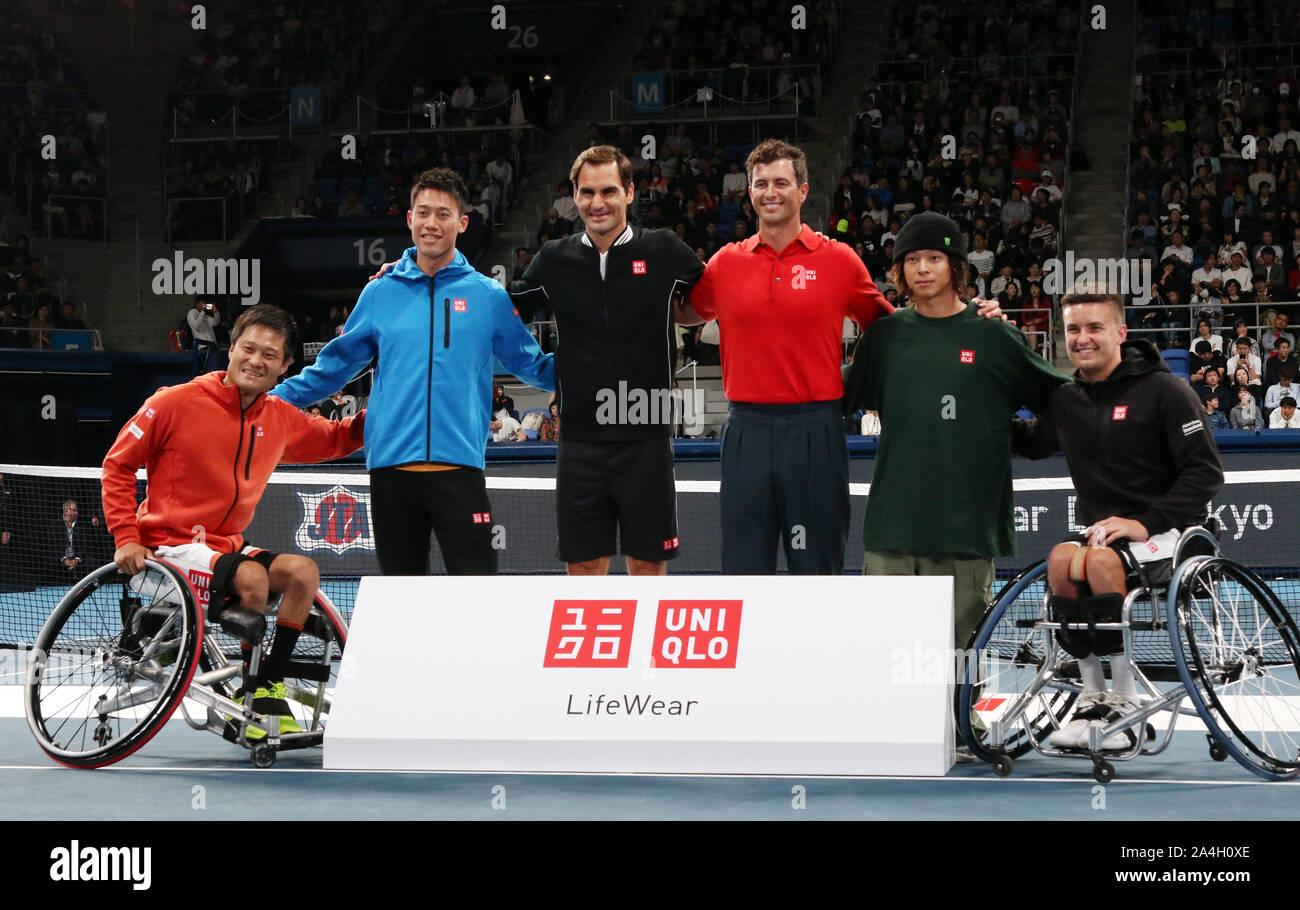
[780,298]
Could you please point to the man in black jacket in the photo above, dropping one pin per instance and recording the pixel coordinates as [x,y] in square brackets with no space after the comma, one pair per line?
[612,289]
[77,545]
[1144,465]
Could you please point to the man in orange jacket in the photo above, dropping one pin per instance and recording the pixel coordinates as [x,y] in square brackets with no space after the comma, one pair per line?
[209,446]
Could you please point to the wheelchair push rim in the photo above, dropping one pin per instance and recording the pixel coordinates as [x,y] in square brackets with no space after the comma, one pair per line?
[112,663]
[1020,653]
[1238,654]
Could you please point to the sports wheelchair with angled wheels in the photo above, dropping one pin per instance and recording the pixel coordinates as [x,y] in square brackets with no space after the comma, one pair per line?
[119,655]
[1216,631]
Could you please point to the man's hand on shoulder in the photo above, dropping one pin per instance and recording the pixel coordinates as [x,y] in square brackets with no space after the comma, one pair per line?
[989,309]
[383,268]
[130,557]
[1116,528]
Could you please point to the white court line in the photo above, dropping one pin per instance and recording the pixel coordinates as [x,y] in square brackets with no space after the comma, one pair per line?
[992,778]
[500,482]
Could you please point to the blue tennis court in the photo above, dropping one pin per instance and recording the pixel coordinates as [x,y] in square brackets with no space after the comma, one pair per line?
[160,782]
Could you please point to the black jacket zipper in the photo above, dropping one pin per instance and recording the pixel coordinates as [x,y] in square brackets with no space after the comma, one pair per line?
[446,323]
[428,392]
[238,451]
[248,462]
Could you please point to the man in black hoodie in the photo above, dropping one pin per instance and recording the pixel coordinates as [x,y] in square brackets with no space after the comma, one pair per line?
[1144,465]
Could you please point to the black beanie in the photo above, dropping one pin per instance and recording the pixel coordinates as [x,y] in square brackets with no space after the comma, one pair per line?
[930,231]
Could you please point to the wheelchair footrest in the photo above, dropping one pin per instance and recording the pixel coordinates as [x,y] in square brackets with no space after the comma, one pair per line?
[306,740]
[304,669]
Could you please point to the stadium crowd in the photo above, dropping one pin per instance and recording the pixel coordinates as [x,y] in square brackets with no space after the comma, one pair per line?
[1214,201]
[43,92]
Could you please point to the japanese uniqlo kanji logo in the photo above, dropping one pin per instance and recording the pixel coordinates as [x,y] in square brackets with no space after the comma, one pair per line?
[458,305]
[670,543]
[260,432]
[1121,412]
[482,518]
[967,356]
[1152,546]
[638,266]
[590,633]
[700,634]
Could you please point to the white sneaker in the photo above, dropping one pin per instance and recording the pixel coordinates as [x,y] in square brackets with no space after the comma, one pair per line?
[1118,707]
[1074,735]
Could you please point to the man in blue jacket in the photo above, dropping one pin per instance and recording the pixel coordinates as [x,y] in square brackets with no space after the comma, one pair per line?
[434,323]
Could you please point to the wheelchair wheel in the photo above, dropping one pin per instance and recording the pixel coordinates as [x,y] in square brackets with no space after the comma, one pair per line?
[112,663]
[313,666]
[1238,653]
[1009,658]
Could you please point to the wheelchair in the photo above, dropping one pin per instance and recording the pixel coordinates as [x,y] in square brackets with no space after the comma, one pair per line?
[120,654]
[1215,631]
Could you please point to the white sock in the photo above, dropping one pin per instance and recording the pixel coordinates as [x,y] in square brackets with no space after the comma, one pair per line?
[1121,673]
[1094,680]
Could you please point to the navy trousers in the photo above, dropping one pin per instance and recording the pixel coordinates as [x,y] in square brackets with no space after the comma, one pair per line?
[785,478]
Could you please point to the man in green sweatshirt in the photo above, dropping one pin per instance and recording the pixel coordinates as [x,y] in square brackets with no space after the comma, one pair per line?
[946,384]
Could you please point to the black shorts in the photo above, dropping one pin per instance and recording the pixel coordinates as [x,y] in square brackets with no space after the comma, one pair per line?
[453,506]
[616,497]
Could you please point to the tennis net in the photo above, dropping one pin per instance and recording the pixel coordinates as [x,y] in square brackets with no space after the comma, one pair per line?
[326,515]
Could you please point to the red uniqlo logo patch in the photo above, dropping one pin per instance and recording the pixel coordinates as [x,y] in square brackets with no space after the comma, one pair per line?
[590,633]
[1152,546]
[202,583]
[458,305]
[638,266]
[700,634]
[482,518]
[967,356]
[514,311]
[670,544]
[1121,412]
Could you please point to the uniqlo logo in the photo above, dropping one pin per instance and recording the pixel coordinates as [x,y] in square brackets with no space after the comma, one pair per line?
[458,305]
[482,518]
[700,634]
[1121,412]
[148,412]
[514,311]
[1152,546]
[638,266]
[670,544]
[202,584]
[967,356]
[590,633]
[260,431]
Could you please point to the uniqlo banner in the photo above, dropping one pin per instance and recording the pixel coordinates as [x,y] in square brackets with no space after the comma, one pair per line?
[676,674]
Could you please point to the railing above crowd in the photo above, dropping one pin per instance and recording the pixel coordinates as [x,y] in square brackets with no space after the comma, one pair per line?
[747,91]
